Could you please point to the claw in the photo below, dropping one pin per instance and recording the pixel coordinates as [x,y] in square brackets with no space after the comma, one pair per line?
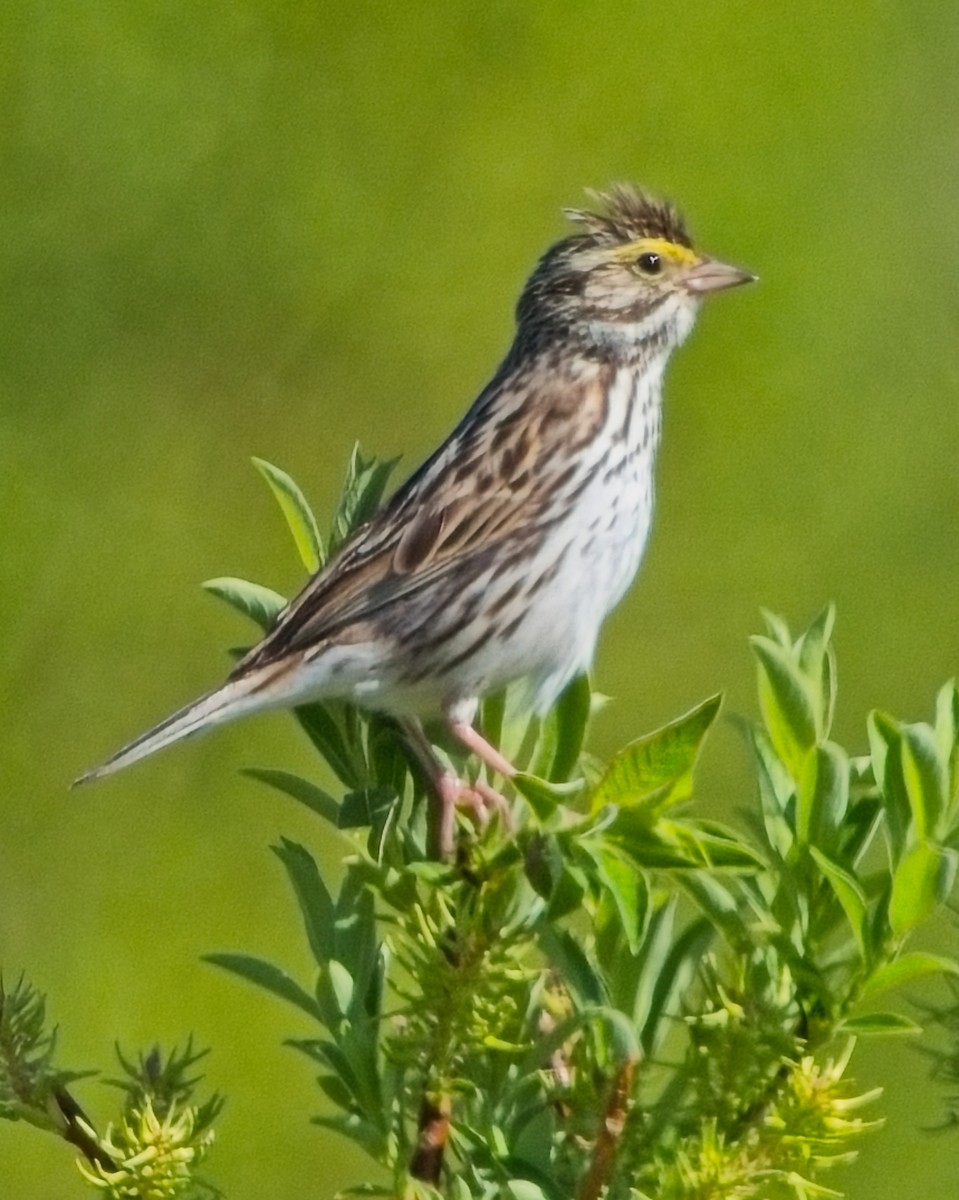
[478,799]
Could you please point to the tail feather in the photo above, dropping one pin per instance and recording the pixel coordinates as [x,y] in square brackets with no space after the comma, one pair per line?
[233,699]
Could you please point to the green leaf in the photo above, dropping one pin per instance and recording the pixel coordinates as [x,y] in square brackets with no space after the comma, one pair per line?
[567,894]
[625,886]
[906,969]
[543,863]
[885,744]
[777,628]
[341,985]
[656,771]
[815,661]
[260,604]
[947,733]
[823,795]
[315,902]
[321,727]
[850,895]
[571,716]
[624,1045]
[710,844]
[342,1059]
[879,1023]
[525,1189]
[366,806]
[363,489]
[786,702]
[922,881]
[267,976]
[300,789]
[672,980]
[717,903]
[777,793]
[494,716]
[544,797]
[655,954]
[647,845]
[297,512]
[675,844]
[575,969]
[926,779]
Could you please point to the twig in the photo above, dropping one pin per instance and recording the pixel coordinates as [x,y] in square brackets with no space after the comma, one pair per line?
[433,1131]
[610,1131]
[75,1130]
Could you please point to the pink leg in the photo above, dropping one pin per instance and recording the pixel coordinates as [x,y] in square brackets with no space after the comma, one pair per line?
[450,792]
[448,789]
[464,732]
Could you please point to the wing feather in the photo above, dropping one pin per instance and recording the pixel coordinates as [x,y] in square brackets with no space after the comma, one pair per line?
[485,491]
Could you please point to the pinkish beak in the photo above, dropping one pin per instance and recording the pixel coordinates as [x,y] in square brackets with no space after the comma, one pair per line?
[711,275]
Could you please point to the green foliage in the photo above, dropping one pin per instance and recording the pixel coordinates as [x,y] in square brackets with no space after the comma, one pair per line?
[28,1077]
[599,993]
[161,1136]
[298,514]
[603,993]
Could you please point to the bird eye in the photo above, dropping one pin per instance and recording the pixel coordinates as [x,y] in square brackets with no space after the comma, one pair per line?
[649,264]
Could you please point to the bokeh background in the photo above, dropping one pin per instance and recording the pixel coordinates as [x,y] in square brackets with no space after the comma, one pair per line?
[270,228]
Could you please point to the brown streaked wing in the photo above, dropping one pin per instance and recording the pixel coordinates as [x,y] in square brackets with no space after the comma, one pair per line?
[490,484]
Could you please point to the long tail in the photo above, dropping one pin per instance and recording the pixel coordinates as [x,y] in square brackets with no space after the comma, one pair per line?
[233,699]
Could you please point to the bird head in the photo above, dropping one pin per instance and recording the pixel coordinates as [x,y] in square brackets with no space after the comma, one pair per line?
[627,280]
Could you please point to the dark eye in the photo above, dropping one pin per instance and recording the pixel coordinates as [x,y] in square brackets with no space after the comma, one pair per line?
[649,264]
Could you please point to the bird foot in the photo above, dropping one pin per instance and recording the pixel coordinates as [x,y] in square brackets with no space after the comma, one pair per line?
[478,799]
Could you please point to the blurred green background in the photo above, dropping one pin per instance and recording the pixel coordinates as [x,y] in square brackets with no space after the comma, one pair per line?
[269,228]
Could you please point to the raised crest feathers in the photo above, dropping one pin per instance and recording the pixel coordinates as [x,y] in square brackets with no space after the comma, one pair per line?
[628,214]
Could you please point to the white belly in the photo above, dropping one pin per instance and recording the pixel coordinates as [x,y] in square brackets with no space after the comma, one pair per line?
[547,634]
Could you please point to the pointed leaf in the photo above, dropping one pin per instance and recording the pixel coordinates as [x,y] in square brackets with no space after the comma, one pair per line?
[571,715]
[267,976]
[814,662]
[341,985]
[650,846]
[850,895]
[655,953]
[363,489]
[656,771]
[366,806]
[575,969]
[316,904]
[786,701]
[260,604]
[926,779]
[717,904]
[777,793]
[300,789]
[626,887]
[879,1023]
[324,732]
[885,743]
[710,844]
[494,715]
[544,797]
[922,881]
[672,979]
[823,795]
[906,969]
[297,512]
[777,628]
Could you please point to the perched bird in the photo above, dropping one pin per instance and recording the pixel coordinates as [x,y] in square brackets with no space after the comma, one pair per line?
[500,557]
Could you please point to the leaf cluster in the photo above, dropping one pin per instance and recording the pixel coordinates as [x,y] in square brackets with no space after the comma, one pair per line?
[604,993]
[161,1135]
[601,992]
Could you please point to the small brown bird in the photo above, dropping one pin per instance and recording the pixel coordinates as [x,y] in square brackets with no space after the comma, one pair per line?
[499,559]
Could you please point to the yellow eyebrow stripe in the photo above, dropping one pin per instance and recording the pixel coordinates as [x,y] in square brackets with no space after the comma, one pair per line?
[672,251]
